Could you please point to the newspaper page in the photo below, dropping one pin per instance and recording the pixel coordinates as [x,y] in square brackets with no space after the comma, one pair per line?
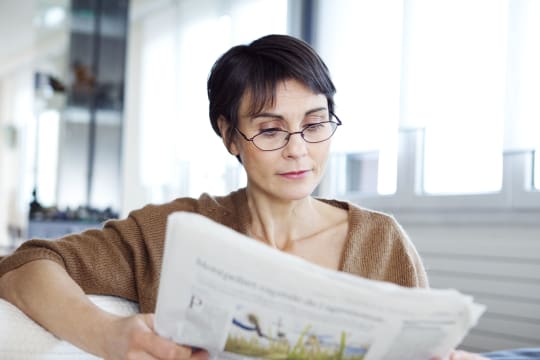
[241,299]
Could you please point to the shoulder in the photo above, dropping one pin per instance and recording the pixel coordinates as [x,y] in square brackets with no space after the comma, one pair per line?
[205,202]
[376,229]
[371,229]
[217,208]
[379,248]
[361,218]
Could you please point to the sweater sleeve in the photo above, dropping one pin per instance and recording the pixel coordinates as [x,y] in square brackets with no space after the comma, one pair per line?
[398,260]
[379,249]
[100,261]
[121,259]
[418,272]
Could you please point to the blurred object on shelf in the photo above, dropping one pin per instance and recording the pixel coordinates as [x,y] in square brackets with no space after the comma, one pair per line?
[81,213]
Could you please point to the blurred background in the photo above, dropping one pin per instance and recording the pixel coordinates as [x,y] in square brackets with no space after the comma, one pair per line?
[103,109]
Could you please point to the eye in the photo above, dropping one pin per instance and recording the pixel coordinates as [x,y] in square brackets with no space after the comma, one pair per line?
[315,127]
[271,132]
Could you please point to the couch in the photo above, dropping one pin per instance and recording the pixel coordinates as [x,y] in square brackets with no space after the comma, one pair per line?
[23,339]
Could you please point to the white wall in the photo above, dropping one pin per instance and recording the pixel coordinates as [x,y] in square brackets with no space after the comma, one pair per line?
[499,264]
[16,54]
[486,245]
[27,46]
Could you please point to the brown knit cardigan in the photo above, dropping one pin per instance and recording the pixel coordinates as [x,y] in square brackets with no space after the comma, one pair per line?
[124,258]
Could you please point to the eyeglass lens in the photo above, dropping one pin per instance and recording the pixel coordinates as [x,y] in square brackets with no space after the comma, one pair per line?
[276,139]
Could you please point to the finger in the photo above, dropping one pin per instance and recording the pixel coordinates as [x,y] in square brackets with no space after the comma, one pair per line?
[200,355]
[139,355]
[158,346]
[464,355]
[457,355]
[148,320]
[142,355]
[161,348]
[166,349]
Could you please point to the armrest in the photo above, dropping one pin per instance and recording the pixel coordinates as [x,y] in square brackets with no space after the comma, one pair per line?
[22,338]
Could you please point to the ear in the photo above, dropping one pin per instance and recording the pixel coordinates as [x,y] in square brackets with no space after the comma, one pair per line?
[224,127]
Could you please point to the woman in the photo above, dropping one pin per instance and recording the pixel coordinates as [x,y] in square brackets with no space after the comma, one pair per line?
[272,104]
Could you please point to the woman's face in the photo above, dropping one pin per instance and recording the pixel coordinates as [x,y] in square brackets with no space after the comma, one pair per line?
[292,172]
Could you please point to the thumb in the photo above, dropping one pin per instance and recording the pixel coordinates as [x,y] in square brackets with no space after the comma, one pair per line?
[148,319]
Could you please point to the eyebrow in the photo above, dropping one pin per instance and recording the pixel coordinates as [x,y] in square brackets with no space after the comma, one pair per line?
[277,116]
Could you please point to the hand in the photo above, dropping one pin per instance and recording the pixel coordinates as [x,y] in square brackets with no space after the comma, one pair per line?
[134,338]
[464,355]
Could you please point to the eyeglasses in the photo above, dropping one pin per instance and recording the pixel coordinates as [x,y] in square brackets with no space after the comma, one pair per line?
[275,139]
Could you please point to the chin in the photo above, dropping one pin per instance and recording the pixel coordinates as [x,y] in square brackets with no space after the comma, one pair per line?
[297,192]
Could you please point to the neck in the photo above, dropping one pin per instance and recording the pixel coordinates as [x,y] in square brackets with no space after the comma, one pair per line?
[277,222]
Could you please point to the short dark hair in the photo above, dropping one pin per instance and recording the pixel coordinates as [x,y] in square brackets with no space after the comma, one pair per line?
[257,69]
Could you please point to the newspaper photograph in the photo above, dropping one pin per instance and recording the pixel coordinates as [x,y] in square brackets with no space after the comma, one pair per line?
[240,299]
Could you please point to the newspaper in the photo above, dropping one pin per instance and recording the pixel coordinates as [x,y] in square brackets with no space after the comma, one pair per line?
[241,299]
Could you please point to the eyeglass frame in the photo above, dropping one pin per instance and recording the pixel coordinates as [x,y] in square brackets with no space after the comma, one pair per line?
[301,132]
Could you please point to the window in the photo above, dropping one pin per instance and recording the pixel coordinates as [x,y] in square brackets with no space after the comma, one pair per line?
[523,122]
[460,79]
[47,155]
[366,70]
[455,88]
[436,99]
[537,169]
[174,71]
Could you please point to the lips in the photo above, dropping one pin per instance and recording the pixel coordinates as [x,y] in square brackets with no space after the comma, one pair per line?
[294,174]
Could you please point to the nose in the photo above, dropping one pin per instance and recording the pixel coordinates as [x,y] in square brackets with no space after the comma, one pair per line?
[296,147]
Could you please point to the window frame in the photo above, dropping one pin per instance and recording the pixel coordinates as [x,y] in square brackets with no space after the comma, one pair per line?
[516,203]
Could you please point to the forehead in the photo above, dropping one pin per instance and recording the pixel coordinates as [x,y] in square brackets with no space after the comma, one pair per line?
[284,94]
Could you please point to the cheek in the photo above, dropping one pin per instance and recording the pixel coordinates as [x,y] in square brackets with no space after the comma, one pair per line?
[256,160]
[321,153]
[246,154]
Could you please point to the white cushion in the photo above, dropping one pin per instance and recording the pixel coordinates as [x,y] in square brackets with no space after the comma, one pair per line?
[22,338]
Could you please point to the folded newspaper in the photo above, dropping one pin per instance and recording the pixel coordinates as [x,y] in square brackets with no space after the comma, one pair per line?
[241,299]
